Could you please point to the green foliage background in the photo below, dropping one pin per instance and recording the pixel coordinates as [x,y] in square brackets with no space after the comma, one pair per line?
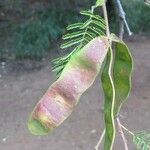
[138,15]
[28,28]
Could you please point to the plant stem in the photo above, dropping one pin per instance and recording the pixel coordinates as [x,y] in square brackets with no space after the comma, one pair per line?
[106,20]
[147,2]
[100,140]
[110,72]
[127,129]
[122,16]
[122,20]
[122,134]
[108,34]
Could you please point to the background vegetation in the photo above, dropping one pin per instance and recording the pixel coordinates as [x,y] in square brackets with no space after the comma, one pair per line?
[28,28]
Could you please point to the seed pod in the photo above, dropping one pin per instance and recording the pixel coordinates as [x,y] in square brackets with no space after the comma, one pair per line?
[61,97]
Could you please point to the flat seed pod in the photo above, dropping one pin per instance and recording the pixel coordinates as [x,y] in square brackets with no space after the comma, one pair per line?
[62,96]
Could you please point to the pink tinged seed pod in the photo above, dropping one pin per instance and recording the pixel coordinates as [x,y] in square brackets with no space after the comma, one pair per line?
[59,100]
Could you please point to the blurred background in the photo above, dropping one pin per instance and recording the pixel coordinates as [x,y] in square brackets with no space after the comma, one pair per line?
[30,35]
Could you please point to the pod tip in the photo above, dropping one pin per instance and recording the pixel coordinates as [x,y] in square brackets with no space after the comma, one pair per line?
[37,128]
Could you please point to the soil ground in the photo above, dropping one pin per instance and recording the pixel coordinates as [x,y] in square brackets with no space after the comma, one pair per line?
[21,90]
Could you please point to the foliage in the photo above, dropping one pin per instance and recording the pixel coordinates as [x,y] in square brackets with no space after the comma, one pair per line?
[115,92]
[29,29]
[24,24]
[34,36]
[138,15]
[115,77]
[142,140]
[79,35]
[99,3]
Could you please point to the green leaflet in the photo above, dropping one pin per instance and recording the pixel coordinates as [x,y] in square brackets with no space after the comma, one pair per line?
[71,43]
[90,14]
[109,95]
[122,72]
[142,140]
[74,26]
[96,31]
[73,35]
[100,2]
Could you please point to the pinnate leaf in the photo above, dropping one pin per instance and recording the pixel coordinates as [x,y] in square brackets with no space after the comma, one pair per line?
[142,140]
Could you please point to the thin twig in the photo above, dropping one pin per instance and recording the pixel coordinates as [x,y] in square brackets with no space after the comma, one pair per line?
[106,19]
[108,34]
[122,16]
[127,129]
[121,28]
[92,8]
[122,134]
[100,140]
[147,2]
[122,23]
[110,72]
